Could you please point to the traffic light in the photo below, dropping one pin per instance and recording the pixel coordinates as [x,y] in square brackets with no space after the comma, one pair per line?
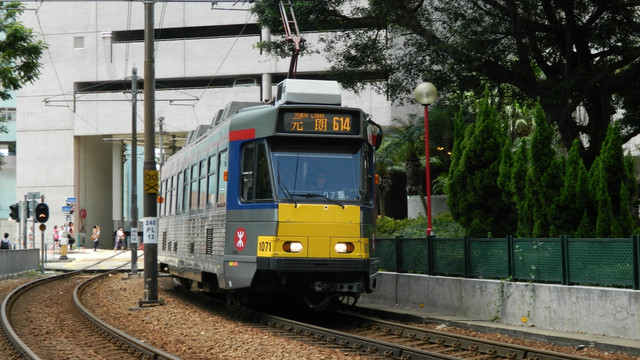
[15,212]
[42,213]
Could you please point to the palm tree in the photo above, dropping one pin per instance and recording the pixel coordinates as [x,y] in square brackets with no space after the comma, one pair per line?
[404,146]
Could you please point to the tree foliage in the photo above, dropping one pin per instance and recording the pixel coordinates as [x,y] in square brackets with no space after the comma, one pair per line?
[539,190]
[20,52]
[479,204]
[567,53]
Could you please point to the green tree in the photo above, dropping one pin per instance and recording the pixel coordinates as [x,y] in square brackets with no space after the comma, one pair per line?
[567,53]
[519,189]
[544,177]
[481,209]
[455,190]
[404,144]
[20,52]
[574,195]
[612,186]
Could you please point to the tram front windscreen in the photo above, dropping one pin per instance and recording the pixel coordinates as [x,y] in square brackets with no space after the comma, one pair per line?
[321,174]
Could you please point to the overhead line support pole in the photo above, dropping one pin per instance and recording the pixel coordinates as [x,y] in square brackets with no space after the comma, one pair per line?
[150,172]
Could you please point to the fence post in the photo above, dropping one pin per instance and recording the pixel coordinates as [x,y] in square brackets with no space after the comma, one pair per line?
[398,254]
[510,258]
[467,257]
[430,254]
[636,261]
[564,255]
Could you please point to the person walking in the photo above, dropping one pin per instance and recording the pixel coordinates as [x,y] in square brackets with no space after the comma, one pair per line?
[5,244]
[119,239]
[96,237]
[56,237]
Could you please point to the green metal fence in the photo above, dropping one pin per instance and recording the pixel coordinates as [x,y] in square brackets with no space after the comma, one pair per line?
[563,260]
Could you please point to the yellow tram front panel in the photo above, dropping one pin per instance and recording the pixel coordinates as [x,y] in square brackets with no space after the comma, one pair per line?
[314,231]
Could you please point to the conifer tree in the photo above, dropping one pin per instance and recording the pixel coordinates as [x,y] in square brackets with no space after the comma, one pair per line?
[544,177]
[454,189]
[519,188]
[609,183]
[481,210]
[574,195]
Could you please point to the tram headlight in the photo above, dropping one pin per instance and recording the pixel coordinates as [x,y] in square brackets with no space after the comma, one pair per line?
[292,246]
[344,248]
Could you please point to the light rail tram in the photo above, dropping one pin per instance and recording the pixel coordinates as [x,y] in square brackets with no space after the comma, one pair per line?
[275,199]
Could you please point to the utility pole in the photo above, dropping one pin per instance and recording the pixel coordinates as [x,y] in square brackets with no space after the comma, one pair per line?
[134,173]
[150,172]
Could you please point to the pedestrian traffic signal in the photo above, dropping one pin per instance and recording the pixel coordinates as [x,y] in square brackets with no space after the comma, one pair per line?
[42,213]
[15,212]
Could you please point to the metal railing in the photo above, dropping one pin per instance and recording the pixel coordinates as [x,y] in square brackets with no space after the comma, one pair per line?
[18,261]
[612,262]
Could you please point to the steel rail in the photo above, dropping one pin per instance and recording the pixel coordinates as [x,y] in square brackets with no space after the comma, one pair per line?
[19,346]
[462,342]
[147,351]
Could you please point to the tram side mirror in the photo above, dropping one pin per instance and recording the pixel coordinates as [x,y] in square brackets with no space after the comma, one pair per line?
[378,141]
[374,134]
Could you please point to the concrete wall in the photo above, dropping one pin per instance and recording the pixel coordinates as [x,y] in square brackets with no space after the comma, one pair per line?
[592,310]
[415,209]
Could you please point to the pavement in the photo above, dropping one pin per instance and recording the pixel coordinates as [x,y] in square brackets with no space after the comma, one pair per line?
[87,259]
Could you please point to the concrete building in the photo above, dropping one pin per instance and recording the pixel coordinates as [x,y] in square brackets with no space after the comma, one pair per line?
[74,123]
[8,166]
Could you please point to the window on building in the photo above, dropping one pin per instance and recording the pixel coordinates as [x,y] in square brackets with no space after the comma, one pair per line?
[78,42]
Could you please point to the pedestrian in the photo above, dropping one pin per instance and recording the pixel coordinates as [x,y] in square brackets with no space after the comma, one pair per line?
[30,236]
[56,237]
[96,237]
[119,239]
[5,244]
[70,236]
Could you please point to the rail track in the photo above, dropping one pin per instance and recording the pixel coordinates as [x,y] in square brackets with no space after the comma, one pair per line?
[379,339]
[375,338]
[45,319]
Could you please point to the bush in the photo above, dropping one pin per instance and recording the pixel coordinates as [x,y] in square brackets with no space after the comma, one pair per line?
[443,227]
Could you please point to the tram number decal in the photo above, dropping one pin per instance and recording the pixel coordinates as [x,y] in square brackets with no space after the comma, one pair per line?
[240,239]
[265,246]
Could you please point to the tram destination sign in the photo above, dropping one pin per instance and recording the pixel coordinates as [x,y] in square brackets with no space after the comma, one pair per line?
[318,122]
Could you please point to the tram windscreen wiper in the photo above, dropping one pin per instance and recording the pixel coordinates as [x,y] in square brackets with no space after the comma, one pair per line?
[310,195]
[286,191]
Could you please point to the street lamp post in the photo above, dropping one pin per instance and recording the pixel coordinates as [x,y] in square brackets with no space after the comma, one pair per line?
[426,94]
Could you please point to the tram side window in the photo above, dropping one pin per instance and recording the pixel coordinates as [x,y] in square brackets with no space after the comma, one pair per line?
[185,191]
[172,196]
[163,190]
[179,191]
[211,186]
[256,181]
[223,165]
[194,187]
[202,197]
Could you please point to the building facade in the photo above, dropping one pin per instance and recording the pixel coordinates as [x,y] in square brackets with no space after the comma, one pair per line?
[74,127]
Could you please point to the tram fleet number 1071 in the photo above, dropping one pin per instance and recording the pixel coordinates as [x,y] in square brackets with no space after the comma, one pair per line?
[275,201]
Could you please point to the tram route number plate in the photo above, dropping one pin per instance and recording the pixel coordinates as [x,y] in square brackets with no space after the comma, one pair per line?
[150,230]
